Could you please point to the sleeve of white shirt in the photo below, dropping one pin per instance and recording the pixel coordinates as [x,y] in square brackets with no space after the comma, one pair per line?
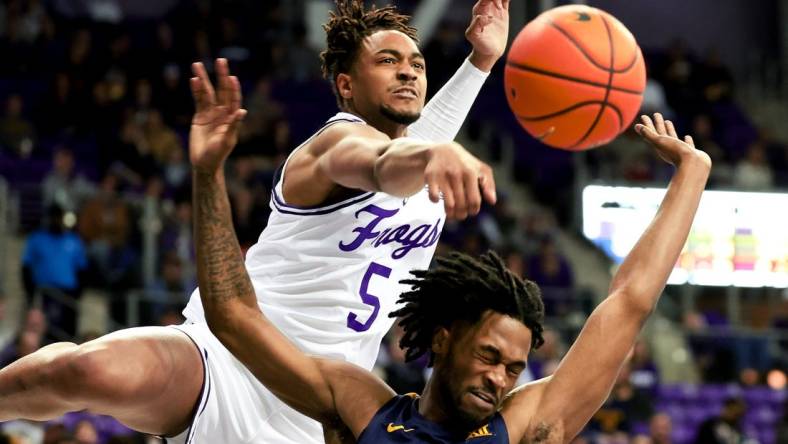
[443,116]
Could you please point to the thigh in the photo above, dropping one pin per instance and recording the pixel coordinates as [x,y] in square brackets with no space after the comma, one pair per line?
[154,375]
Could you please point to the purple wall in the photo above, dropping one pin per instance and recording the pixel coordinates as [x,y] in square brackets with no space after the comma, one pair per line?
[741,29]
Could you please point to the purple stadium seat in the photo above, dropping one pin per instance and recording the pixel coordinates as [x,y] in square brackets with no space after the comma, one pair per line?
[712,393]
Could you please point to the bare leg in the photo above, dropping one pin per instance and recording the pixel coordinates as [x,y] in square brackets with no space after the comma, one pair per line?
[148,378]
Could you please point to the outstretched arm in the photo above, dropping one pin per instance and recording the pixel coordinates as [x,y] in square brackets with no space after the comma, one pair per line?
[584,378]
[320,389]
[445,113]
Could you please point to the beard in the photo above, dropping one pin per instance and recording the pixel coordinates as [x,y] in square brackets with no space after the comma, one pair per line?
[402,118]
[460,419]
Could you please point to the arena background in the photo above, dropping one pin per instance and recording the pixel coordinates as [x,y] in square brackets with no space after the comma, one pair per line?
[94,120]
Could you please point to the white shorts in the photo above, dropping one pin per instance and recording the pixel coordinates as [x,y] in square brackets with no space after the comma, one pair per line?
[234,407]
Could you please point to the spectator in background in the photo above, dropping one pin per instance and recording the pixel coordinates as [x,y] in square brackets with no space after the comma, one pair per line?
[552,272]
[726,427]
[753,173]
[26,342]
[63,187]
[660,428]
[545,359]
[302,58]
[263,111]
[59,109]
[172,97]
[403,377]
[85,433]
[625,410]
[177,237]
[703,133]
[713,78]
[169,292]
[645,375]
[53,260]
[104,223]
[17,134]
[161,139]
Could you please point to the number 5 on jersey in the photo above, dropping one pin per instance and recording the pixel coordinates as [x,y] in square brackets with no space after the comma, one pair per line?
[368,299]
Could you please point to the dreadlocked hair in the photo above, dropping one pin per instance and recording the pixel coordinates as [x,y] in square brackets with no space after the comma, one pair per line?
[462,288]
[346,29]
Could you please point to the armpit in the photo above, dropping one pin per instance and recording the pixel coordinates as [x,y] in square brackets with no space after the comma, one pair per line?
[544,433]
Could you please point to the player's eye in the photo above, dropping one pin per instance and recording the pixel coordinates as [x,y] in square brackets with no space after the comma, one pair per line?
[388,60]
[418,66]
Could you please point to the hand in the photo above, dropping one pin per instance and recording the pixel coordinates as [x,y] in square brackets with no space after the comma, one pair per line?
[661,134]
[488,32]
[461,178]
[217,115]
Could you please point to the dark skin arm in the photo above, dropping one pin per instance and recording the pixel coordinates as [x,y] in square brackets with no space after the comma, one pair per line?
[332,392]
[556,408]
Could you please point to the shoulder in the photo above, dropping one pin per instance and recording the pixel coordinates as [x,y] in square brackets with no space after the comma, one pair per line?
[332,135]
[358,393]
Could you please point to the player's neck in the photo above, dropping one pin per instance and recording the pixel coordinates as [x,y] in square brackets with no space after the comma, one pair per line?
[431,405]
[381,123]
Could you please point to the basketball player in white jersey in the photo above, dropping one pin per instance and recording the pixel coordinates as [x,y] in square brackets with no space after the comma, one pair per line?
[355,207]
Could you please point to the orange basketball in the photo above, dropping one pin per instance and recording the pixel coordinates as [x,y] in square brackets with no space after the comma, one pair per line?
[579,70]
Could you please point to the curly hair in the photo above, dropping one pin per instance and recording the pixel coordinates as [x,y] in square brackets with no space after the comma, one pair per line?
[462,288]
[348,26]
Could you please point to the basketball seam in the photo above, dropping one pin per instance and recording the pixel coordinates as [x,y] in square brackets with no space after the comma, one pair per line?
[572,108]
[545,72]
[607,89]
[585,52]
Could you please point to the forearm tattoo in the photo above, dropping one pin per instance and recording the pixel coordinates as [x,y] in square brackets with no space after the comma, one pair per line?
[220,266]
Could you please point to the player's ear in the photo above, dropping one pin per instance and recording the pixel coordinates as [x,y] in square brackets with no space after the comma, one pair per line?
[440,342]
[344,86]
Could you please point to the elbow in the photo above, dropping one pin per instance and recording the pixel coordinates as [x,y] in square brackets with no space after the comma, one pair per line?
[636,302]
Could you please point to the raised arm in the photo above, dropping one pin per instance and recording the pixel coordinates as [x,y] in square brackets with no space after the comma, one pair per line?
[319,388]
[445,113]
[563,404]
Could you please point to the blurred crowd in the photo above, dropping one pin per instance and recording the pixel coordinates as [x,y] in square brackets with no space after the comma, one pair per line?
[93,133]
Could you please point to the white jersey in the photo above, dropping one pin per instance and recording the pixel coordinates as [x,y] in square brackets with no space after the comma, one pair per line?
[329,276]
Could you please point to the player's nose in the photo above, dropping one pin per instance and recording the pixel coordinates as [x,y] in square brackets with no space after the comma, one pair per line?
[406,73]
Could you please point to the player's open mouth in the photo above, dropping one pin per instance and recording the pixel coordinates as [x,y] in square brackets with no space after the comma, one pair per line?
[484,397]
[406,92]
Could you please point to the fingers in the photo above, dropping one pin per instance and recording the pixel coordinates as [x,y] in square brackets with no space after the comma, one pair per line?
[659,124]
[433,188]
[505,4]
[235,102]
[647,122]
[448,200]
[199,94]
[671,129]
[689,140]
[205,82]
[201,87]
[457,188]
[238,117]
[647,132]
[487,184]
[224,94]
[479,22]
[473,196]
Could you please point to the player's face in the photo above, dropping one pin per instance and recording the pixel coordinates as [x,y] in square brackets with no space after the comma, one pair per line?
[389,77]
[484,364]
